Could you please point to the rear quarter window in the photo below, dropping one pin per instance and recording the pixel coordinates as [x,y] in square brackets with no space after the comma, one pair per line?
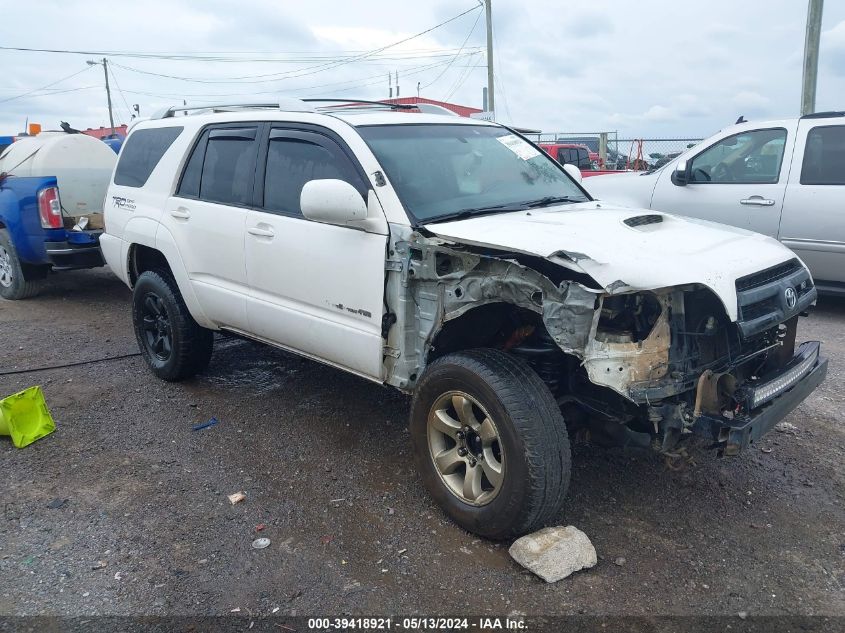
[141,153]
[824,156]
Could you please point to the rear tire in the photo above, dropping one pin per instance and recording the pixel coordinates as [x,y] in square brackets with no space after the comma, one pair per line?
[174,346]
[485,409]
[14,284]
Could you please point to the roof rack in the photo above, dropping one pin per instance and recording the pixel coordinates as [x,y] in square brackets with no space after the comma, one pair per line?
[287,105]
[823,115]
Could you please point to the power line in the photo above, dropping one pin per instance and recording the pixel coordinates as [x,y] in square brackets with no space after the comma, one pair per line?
[58,81]
[306,56]
[253,78]
[501,83]
[469,35]
[308,70]
[120,92]
[352,83]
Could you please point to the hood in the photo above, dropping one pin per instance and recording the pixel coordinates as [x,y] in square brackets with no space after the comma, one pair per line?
[627,249]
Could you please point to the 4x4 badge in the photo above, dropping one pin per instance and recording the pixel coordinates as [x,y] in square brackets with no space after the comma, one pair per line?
[791,297]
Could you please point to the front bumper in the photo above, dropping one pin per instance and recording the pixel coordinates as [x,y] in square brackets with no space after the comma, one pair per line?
[733,435]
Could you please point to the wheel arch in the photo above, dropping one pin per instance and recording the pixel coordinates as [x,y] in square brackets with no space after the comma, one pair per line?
[485,325]
[165,256]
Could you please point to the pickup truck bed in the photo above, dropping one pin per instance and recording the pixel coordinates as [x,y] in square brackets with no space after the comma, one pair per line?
[38,250]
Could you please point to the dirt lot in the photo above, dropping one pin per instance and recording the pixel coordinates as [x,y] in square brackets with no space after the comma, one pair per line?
[123,510]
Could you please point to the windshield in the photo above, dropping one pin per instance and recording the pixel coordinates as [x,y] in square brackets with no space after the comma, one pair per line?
[441,171]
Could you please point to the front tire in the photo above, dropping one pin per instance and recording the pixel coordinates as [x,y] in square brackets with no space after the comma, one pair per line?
[14,284]
[490,443]
[174,346]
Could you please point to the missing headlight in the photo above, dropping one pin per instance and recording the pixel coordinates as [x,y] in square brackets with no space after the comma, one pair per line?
[628,318]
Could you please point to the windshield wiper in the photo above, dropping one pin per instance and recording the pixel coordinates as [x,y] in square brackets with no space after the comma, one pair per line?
[462,214]
[549,200]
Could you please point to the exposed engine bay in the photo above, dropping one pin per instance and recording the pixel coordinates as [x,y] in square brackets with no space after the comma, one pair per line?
[642,368]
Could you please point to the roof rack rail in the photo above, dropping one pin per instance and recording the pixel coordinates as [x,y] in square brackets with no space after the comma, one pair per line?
[288,104]
[823,115]
[353,103]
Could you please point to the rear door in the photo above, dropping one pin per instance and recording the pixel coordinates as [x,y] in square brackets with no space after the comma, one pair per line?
[316,288]
[813,223]
[207,217]
[738,180]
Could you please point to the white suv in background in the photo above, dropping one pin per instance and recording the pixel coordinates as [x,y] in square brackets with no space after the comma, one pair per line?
[784,178]
[453,260]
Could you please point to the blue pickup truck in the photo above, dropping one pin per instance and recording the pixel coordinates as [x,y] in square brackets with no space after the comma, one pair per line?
[51,196]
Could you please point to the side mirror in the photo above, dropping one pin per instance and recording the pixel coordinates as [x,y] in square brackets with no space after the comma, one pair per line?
[332,201]
[680,177]
[573,171]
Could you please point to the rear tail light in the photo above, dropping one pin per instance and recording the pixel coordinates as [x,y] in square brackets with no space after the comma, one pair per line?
[50,208]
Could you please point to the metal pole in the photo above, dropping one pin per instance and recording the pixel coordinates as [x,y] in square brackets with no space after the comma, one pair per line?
[108,93]
[811,56]
[603,149]
[491,107]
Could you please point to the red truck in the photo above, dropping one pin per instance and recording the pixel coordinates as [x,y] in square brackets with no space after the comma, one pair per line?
[579,155]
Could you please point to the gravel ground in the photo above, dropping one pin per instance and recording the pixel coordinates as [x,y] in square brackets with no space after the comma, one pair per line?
[124,510]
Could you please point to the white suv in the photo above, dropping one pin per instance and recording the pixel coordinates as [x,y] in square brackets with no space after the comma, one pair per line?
[452,259]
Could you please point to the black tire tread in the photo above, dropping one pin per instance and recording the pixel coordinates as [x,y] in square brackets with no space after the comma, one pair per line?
[540,425]
[26,288]
[197,342]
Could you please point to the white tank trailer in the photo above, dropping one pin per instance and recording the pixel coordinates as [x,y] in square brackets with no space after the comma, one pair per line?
[82,165]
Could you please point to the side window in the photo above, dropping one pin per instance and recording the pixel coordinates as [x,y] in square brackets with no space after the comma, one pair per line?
[228,171]
[753,157]
[189,187]
[583,159]
[294,158]
[824,156]
[141,153]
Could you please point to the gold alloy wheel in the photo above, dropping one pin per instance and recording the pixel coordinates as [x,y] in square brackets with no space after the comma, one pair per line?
[464,446]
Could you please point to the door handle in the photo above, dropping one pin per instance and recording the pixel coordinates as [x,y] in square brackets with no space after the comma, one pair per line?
[180,212]
[261,232]
[757,201]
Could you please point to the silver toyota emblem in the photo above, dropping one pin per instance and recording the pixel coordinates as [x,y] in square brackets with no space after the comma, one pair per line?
[791,297]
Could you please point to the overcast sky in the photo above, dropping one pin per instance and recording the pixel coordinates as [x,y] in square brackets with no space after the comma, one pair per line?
[647,69]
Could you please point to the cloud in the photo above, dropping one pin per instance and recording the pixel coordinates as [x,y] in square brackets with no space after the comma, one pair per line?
[588,25]
[751,102]
[832,49]
[646,69]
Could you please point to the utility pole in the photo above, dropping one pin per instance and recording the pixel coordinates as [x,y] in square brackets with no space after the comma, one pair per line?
[489,11]
[811,56]
[105,64]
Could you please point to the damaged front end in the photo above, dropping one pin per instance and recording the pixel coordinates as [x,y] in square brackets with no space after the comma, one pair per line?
[638,367]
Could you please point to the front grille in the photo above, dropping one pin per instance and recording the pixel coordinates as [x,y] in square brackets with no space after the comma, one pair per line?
[769,275]
[764,297]
[642,220]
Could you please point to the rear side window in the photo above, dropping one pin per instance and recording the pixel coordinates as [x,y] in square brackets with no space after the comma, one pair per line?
[295,158]
[222,167]
[141,153]
[824,156]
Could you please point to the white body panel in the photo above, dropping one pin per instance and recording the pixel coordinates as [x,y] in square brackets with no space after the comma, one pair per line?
[210,240]
[813,221]
[317,288]
[593,236]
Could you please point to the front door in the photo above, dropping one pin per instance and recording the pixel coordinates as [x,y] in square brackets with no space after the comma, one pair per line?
[315,288]
[739,180]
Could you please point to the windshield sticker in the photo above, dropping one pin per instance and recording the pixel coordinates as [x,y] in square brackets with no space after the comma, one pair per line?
[519,147]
